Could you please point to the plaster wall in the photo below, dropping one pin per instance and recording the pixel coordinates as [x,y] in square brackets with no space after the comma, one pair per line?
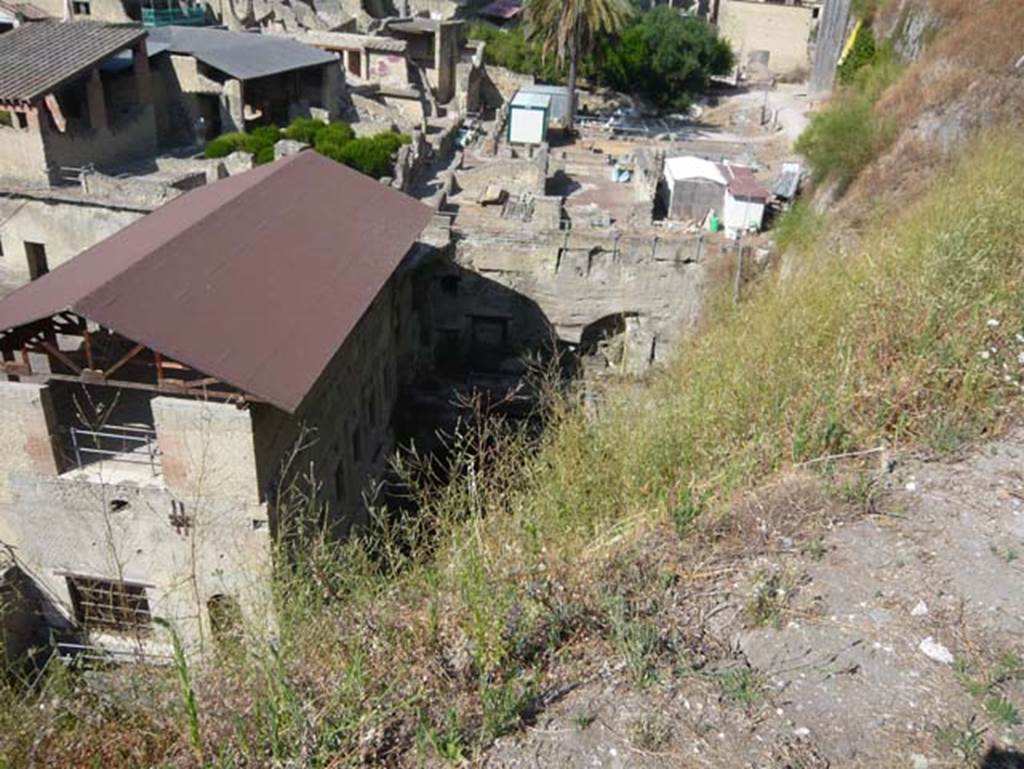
[194,533]
[22,154]
[64,228]
[99,10]
[782,30]
[130,137]
[388,69]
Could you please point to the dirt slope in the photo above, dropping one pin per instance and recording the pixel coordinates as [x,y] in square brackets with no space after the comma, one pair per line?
[878,621]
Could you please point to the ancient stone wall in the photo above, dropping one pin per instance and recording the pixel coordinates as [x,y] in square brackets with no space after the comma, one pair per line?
[576,278]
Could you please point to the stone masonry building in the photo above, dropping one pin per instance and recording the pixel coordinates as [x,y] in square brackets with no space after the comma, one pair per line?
[159,382]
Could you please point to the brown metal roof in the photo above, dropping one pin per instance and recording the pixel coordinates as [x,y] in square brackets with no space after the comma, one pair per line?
[742,183]
[37,58]
[256,280]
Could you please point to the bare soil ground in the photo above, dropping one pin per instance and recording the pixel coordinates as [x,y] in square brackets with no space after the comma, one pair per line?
[846,617]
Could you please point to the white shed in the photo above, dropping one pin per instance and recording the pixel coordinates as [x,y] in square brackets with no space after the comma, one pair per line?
[696,186]
[528,118]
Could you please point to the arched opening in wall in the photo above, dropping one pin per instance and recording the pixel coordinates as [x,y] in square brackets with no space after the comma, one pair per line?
[604,341]
[225,618]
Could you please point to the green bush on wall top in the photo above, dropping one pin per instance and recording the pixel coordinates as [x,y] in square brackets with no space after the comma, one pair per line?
[224,145]
[372,155]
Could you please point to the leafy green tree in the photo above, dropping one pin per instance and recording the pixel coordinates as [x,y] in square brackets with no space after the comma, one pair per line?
[570,29]
[665,57]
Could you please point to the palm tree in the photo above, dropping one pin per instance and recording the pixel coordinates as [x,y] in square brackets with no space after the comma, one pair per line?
[569,28]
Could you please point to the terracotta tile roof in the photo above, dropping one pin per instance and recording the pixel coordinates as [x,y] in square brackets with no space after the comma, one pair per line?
[37,58]
[256,280]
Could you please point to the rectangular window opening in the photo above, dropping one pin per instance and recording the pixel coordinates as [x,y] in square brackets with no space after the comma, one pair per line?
[35,254]
[109,604]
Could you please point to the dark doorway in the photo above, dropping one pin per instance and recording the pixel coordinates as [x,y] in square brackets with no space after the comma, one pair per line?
[354,60]
[35,253]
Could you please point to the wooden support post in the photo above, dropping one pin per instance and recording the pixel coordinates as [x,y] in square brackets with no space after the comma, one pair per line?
[57,353]
[87,341]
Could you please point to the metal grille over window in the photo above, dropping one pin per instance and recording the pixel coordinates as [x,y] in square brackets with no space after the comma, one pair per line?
[111,605]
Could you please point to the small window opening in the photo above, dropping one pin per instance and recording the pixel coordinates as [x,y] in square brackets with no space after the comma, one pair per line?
[81,8]
[225,617]
[117,505]
[35,254]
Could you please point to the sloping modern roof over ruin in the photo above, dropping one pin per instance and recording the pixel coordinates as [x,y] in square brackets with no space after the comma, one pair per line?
[257,279]
[37,58]
[241,55]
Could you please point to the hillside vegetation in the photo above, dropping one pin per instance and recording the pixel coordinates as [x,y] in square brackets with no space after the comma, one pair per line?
[424,639]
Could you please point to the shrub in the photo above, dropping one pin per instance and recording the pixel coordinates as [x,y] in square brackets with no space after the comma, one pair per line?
[372,155]
[260,143]
[509,48]
[224,145]
[842,138]
[861,54]
[332,138]
[304,129]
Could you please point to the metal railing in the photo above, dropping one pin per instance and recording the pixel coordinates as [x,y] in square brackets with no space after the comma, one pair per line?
[188,15]
[119,443]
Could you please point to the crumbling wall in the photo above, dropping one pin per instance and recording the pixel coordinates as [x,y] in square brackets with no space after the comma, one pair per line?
[504,83]
[578,277]
[514,175]
[130,137]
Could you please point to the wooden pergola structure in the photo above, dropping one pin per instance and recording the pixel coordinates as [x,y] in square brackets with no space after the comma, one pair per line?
[104,357]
